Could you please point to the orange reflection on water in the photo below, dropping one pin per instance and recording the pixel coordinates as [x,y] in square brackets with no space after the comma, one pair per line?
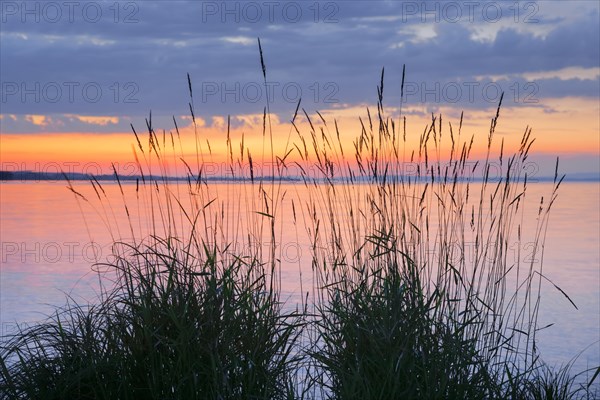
[48,244]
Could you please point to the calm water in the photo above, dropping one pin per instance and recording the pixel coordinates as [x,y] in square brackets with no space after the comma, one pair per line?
[47,253]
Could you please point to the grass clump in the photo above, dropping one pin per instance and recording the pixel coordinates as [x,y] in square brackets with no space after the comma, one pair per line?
[419,295]
[177,326]
[189,304]
[380,340]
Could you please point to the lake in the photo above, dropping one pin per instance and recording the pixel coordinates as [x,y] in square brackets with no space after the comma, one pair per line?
[48,248]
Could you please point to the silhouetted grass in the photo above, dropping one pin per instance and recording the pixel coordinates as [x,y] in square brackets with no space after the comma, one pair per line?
[417,293]
[177,325]
[414,295]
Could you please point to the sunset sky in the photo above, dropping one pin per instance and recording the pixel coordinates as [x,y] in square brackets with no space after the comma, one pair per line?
[75,75]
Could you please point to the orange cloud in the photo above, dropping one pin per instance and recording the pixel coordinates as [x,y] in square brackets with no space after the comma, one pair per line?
[562,126]
[38,120]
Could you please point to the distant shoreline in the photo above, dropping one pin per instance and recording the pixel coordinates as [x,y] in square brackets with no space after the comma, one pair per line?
[28,176]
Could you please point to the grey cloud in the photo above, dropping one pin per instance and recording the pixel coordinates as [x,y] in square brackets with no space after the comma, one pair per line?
[142,66]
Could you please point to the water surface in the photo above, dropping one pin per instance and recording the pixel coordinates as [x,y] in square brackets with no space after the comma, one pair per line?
[48,248]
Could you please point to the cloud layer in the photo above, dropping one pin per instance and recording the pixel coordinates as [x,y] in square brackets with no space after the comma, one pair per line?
[118,61]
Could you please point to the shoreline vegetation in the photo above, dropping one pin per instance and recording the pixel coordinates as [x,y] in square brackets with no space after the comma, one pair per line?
[29,176]
[181,314]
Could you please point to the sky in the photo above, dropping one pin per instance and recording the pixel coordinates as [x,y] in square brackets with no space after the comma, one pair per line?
[75,75]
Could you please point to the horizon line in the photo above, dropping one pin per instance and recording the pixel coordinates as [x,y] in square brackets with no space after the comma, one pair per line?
[28,175]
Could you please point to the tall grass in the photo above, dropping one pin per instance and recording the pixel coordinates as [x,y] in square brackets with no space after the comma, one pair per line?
[176,326]
[189,305]
[414,292]
[418,293]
